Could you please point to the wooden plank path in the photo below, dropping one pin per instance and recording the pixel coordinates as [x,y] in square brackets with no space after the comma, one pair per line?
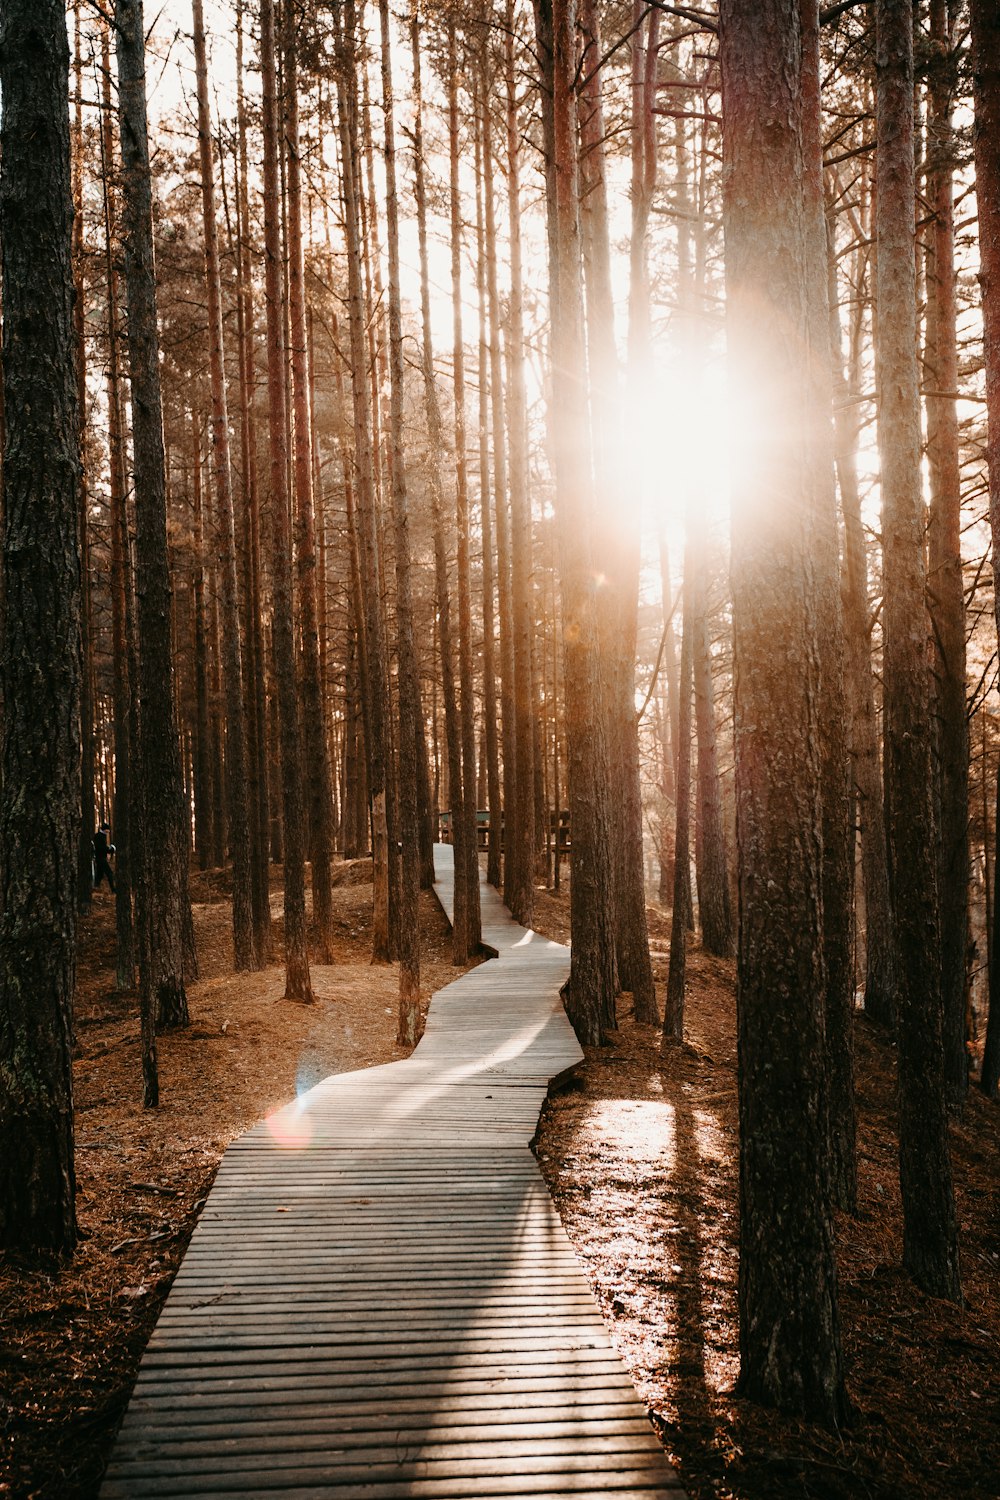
[379,1301]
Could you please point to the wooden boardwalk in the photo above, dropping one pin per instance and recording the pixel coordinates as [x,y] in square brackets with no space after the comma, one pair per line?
[379,1300]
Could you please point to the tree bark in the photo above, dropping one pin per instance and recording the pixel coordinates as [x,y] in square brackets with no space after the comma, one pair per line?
[122,617]
[489,760]
[618,532]
[377,673]
[590,996]
[985,19]
[519,835]
[238,811]
[468,868]
[316,753]
[163,884]
[880,955]
[409,683]
[298,985]
[930,1248]
[40,662]
[835,767]
[789,1326]
[673,1011]
[944,578]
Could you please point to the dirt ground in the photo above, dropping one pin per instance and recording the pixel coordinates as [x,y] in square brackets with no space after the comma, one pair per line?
[641,1157]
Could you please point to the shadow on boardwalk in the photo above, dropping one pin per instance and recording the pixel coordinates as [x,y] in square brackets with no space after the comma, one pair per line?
[380,1300]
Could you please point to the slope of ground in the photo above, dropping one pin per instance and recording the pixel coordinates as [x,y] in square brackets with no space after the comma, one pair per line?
[641,1158]
[70,1341]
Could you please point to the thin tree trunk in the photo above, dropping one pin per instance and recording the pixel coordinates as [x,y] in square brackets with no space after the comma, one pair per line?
[377,695]
[298,985]
[469,868]
[409,684]
[460,944]
[944,579]
[490,758]
[673,1013]
[519,837]
[835,770]
[202,765]
[122,623]
[880,959]
[930,1247]
[238,811]
[590,998]
[86,847]
[163,882]
[985,20]
[256,673]
[316,753]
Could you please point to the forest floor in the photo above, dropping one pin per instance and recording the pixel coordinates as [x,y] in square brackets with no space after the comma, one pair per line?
[641,1156]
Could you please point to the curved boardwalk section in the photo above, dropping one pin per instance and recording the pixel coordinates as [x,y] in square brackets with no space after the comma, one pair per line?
[379,1300]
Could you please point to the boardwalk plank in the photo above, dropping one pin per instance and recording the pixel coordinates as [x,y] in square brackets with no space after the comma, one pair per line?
[380,1300]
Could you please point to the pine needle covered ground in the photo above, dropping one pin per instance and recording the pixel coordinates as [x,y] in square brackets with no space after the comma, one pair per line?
[641,1156]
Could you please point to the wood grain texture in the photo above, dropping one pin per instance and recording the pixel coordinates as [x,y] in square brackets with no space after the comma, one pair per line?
[380,1300]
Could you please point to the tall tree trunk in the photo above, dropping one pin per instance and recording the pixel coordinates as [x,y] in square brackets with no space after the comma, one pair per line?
[590,999]
[835,768]
[435,438]
[85,866]
[944,579]
[163,884]
[409,683]
[298,985]
[519,836]
[715,911]
[618,531]
[40,663]
[985,19]
[673,1013]
[930,1248]
[256,674]
[122,621]
[377,672]
[315,747]
[202,746]
[244,948]
[489,761]
[789,1344]
[469,868]
[880,955]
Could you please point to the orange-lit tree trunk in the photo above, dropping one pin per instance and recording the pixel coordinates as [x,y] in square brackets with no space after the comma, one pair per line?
[256,674]
[162,887]
[619,532]
[435,438]
[122,620]
[519,836]
[409,684]
[590,996]
[468,869]
[315,746]
[986,93]
[490,759]
[298,985]
[944,577]
[244,947]
[377,733]
[930,1246]
[790,1348]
